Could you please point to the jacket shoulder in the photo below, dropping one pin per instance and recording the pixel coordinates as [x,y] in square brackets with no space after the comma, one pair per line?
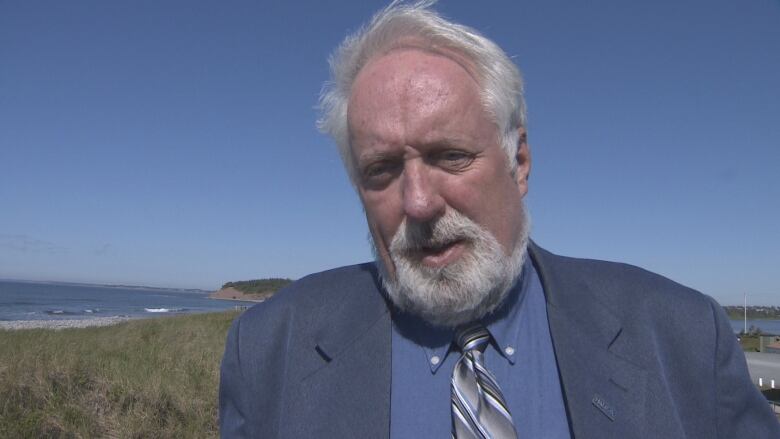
[311,293]
[266,346]
[626,289]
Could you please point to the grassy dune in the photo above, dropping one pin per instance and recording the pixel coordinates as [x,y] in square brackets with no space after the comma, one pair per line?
[143,378]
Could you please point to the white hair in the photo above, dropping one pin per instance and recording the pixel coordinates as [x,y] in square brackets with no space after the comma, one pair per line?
[500,80]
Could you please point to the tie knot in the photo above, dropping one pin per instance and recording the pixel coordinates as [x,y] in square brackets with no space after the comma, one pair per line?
[472,337]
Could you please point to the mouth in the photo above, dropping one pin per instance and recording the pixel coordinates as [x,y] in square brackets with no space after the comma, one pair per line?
[440,255]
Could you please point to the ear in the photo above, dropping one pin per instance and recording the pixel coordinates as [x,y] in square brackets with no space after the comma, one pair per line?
[523,157]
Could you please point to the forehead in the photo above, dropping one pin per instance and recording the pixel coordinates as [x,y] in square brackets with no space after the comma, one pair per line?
[406,82]
[410,59]
[411,71]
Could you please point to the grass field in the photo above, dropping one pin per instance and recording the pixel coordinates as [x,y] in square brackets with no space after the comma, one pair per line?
[142,378]
[749,343]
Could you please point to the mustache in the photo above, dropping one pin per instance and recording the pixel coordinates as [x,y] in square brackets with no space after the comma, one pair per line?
[450,227]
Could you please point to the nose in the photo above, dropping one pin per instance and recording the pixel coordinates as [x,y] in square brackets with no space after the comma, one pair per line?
[421,197]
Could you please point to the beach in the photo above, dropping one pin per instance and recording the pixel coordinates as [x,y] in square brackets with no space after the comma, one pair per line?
[62,324]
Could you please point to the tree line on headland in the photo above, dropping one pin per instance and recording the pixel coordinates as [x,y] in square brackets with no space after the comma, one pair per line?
[259,286]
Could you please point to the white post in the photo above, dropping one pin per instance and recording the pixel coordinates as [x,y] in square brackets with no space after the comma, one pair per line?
[772,384]
[760,382]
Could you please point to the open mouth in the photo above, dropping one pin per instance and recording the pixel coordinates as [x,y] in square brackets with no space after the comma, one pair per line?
[440,255]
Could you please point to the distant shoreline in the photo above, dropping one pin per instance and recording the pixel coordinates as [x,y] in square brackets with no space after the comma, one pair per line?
[739,319]
[118,286]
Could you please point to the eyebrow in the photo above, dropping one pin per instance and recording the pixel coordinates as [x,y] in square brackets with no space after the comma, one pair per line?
[378,156]
[448,142]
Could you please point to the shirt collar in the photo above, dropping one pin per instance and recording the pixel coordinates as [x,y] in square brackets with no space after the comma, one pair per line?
[435,342]
[503,324]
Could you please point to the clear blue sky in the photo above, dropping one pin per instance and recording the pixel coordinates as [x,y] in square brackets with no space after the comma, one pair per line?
[173,143]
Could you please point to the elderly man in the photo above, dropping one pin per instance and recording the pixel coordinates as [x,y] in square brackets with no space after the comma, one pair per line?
[463,327]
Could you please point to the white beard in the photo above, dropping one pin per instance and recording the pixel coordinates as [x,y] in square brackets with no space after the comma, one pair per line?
[462,292]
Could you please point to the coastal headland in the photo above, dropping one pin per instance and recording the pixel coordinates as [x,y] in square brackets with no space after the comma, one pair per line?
[231,293]
[255,290]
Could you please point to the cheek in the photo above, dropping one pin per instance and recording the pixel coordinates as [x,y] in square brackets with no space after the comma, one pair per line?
[382,226]
[506,215]
[492,202]
[382,215]
[471,196]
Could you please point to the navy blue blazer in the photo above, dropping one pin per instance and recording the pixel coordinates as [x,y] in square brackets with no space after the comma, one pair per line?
[639,357]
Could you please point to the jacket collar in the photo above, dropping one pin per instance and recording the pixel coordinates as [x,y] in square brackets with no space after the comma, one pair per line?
[349,316]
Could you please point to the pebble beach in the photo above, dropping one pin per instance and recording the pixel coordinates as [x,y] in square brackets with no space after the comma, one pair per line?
[62,324]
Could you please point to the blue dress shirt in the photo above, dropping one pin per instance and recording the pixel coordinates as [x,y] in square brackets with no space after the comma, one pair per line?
[520,356]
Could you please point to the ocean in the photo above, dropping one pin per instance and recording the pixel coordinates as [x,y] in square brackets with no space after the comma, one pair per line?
[767,326]
[59,301]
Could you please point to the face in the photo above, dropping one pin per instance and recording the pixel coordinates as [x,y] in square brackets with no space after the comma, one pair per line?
[424,146]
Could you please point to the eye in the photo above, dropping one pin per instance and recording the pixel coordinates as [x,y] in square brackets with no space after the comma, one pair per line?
[375,169]
[380,172]
[454,160]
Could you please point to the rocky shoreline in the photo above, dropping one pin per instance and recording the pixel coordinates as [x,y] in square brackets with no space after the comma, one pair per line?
[62,324]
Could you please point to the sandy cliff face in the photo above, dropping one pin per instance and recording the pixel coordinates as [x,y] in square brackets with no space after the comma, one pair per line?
[234,294]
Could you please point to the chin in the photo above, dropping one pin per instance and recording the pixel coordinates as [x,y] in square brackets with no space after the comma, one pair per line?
[465,290]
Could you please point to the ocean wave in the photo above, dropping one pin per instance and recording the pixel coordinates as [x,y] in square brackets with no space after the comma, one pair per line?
[163,310]
[65,312]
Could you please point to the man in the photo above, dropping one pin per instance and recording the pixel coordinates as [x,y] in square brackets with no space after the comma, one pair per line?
[463,327]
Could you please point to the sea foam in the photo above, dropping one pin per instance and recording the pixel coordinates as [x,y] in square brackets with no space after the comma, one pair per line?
[161,310]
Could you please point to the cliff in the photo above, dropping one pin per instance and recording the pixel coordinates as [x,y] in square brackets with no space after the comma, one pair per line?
[231,293]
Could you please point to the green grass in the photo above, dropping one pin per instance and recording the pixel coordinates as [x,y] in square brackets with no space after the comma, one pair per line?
[143,378]
[750,343]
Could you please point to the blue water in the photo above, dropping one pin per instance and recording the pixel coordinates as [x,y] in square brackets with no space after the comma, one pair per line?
[766,326]
[53,301]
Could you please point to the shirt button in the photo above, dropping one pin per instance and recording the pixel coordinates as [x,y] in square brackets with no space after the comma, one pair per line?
[435,360]
[509,350]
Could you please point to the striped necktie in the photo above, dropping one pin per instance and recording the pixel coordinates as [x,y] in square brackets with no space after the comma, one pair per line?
[478,407]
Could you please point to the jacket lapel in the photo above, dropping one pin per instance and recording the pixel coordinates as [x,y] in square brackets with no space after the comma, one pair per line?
[604,391]
[341,385]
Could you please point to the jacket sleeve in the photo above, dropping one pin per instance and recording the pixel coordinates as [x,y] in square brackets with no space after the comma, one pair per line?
[232,397]
[742,411]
